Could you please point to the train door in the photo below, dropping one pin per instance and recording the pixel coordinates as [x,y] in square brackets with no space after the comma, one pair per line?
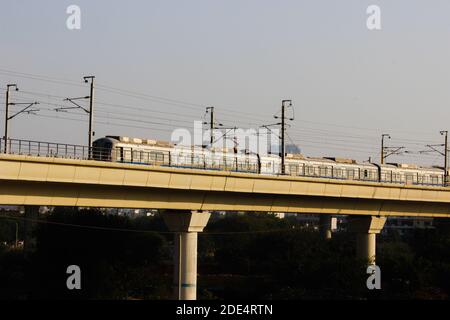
[350,174]
[434,180]
[409,178]
[293,170]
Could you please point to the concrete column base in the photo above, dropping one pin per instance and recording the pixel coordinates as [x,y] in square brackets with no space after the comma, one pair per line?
[325,226]
[186,225]
[366,229]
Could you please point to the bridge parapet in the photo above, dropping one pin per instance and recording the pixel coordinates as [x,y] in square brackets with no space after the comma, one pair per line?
[89,183]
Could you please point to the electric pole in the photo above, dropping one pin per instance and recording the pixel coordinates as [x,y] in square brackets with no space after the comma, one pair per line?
[211,124]
[384,135]
[432,148]
[445,134]
[89,111]
[388,151]
[283,133]
[8,117]
[7,114]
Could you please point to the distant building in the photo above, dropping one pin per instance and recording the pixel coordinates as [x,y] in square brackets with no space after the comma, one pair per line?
[405,224]
[290,148]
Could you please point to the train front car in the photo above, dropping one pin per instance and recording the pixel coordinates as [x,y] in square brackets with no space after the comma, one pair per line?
[103,149]
[132,150]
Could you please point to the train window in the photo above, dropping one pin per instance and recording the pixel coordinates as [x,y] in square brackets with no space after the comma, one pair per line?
[338,172]
[350,173]
[293,169]
[366,174]
[160,157]
[310,170]
[434,180]
[156,156]
[409,179]
[323,171]
[301,170]
[386,176]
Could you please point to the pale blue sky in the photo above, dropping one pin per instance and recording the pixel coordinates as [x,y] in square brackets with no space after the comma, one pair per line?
[348,84]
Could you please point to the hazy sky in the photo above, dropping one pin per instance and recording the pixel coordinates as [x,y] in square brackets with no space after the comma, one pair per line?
[348,84]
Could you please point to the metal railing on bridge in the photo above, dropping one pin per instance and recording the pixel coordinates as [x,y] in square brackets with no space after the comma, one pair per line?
[127,155]
[45,149]
[247,163]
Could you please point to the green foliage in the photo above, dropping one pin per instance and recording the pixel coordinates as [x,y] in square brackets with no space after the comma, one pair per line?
[114,264]
[256,256]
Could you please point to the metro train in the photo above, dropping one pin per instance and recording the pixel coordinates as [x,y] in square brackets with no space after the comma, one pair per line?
[161,153]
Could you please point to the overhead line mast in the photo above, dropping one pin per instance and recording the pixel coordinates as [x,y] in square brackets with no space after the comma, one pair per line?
[388,151]
[432,148]
[213,125]
[284,106]
[89,111]
[8,117]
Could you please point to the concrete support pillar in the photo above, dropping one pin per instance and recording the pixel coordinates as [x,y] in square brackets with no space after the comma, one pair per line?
[29,238]
[366,229]
[325,226]
[186,225]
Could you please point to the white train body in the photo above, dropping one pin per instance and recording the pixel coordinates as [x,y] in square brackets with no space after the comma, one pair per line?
[160,153]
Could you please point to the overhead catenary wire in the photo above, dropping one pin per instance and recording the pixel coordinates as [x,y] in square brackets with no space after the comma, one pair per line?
[319,130]
[197,105]
[318,145]
[303,131]
[306,134]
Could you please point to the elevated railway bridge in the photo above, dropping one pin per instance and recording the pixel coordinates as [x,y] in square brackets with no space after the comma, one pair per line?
[37,174]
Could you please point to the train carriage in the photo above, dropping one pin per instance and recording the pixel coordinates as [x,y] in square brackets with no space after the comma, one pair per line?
[161,153]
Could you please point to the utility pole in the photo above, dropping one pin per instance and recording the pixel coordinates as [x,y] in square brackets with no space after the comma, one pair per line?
[211,124]
[7,114]
[283,138]
[388,151]
[445,134]
[8,117]
[432,148]
[89,111]
[384,135]
[283,133]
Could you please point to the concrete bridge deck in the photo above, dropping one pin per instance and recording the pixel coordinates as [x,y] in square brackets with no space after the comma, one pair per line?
[29,180]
